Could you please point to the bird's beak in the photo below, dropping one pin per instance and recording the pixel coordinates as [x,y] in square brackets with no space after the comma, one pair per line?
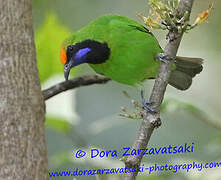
[67,68]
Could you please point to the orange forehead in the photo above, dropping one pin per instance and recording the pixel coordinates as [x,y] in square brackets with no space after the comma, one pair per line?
[63,56]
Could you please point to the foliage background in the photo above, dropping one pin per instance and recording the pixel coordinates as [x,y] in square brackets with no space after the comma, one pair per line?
[88,117]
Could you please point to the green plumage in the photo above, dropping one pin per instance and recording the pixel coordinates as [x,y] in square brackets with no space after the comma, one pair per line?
[132,52]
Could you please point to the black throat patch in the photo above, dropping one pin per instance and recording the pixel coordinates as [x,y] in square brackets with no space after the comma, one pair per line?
[98,52]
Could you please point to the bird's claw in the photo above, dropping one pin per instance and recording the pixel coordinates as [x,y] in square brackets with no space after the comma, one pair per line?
[162,57]
[146,104]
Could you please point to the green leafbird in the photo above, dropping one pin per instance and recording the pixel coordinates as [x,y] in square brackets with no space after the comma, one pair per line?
[125,51]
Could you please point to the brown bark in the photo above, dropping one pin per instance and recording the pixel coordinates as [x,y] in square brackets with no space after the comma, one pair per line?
[72,84]
[22,109]
[152,120]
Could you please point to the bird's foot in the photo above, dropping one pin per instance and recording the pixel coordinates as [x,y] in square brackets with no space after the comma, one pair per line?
[146,104]
[162,57]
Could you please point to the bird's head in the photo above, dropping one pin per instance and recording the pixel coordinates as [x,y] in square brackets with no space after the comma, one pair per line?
[88,51]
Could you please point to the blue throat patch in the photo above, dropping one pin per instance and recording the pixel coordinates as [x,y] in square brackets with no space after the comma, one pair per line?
[81,53]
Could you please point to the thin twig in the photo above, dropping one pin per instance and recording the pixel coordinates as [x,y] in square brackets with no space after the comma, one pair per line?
[152,120]
[73,83]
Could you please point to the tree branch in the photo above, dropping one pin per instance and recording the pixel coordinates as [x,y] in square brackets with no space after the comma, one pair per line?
[73,83]
[150,119]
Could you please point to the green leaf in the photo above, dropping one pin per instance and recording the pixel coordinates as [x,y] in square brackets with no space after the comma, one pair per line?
[48,41]
[57,124]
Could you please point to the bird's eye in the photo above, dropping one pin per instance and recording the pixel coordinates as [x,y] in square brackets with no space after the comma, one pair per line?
[70,48]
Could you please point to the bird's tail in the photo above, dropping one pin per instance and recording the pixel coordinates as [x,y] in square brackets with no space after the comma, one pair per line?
[186,69]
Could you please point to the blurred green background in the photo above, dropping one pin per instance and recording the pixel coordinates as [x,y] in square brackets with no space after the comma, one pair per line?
[88,117]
